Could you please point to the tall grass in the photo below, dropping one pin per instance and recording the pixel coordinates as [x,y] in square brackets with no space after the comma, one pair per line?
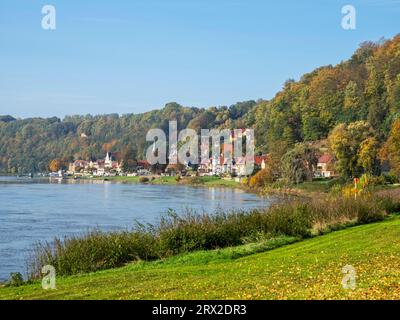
[174,234]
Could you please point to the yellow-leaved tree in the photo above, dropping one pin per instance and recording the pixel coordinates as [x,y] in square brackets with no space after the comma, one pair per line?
[54,165]
[391,149]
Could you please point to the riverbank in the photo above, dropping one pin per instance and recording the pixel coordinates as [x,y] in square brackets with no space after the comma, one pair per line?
[178,234]
[182,238]
[72,207]
[206,181]
[185,236]
[311,269]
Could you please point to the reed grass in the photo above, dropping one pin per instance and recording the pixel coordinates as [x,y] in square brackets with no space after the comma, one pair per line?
[191,231]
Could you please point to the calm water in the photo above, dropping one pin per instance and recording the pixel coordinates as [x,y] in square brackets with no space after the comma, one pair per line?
[37,210]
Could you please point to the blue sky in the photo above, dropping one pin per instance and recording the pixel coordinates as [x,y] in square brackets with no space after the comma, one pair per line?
[133,56]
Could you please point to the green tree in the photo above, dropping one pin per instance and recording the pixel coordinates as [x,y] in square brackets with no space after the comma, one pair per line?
[345,142]
[391,149]
[394,96]
[368,156]
[352,103]
[298,164]
[128,158]
[375,90]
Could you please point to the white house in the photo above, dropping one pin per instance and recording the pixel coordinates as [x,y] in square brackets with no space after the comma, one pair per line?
[325,166]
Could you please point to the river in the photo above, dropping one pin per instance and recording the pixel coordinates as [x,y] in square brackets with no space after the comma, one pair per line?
[35,210]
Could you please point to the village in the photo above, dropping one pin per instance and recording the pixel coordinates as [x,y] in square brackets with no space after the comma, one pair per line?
[214,166]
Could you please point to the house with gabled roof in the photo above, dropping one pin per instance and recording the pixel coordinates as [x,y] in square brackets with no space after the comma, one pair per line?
[325,166]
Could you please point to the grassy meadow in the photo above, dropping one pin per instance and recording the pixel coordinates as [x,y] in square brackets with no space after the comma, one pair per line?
[310,269]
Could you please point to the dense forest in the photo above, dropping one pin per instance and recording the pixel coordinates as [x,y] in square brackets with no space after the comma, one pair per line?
[353,107]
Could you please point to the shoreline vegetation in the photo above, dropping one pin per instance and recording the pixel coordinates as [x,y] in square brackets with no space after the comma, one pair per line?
[316,187]
[204,181]
[291,220]
[209,181]
[254,270]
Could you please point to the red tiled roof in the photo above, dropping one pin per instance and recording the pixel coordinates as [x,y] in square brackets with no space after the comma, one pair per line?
[259,159]
[143,163]
[326,158]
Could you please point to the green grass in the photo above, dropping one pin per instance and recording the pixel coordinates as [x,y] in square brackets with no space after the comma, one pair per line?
[166,180]
[211,181]
[216,182]
[118,179]
[325,185]
[310,269]
[318,185]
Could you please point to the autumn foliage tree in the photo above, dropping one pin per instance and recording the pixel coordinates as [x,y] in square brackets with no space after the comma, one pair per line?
[55,165]
[299,163]
[128,157]
[354,148]
[391,149]
[262,178]
[368,156]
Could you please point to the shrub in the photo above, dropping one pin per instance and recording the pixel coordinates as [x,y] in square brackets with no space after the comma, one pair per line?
[194,180]
[143,179]
[93,251]
[292,219]
[16,279]
[391,178]
[389,200]
[348,191]
[202,231]
[336,189]
[342,211]
[261,178]
[368,180]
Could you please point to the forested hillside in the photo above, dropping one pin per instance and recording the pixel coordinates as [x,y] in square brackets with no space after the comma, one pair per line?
[29,145]
[354,104]
[366,87]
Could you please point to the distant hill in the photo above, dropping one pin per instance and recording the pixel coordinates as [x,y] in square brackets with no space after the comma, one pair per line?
[7,118]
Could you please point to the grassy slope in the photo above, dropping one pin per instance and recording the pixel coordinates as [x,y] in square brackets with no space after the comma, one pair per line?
[307,270]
